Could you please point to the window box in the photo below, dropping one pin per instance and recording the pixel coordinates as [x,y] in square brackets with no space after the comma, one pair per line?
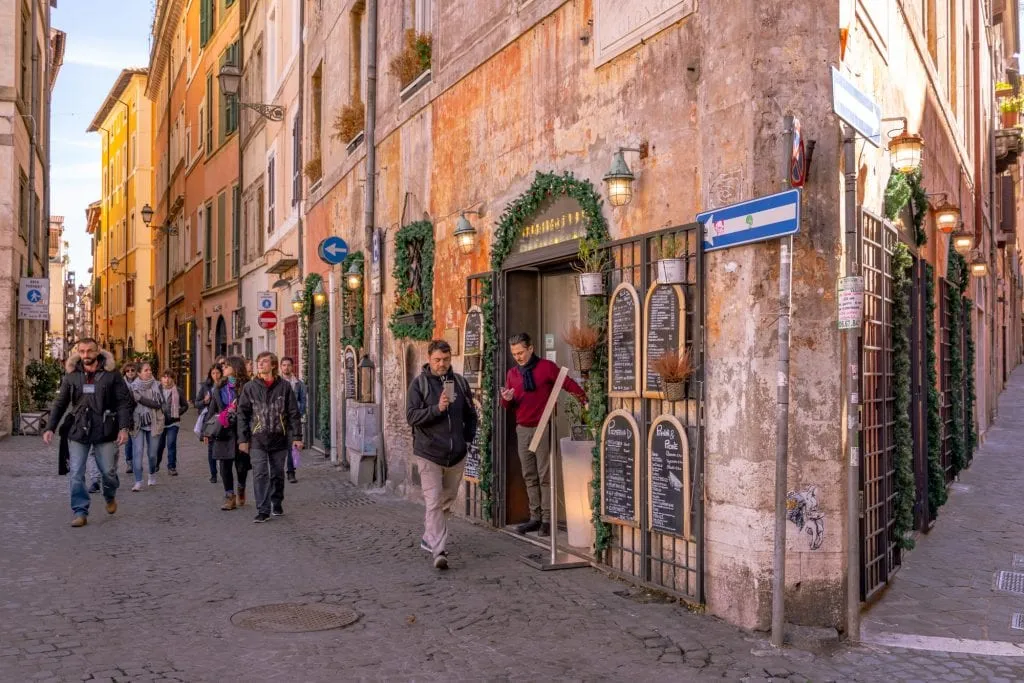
[355,142]
[418,84]
[409,318]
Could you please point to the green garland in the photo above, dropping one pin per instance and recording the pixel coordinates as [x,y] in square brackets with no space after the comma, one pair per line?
[906,492]
[902,188]
[955,275]
[356,298]
[544,187]
[312,280]
[936,475]
[421,234]
[972,431]
[323,376]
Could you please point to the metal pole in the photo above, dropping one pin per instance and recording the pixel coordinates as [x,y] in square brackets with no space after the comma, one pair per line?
[331,320]
[782,443]
[554,490]
[369,208]
[852,398]
[344,383]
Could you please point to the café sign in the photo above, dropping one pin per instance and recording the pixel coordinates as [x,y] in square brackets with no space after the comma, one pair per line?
[557,221]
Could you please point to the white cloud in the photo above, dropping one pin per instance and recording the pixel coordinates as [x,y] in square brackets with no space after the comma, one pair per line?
[86,52]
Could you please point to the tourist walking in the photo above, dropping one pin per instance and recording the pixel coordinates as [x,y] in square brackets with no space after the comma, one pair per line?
[202,404]
[129,371]
[268,427]
[148,424]
[220,432]
[100,415]
[174,405]
[440,410]
[299,389]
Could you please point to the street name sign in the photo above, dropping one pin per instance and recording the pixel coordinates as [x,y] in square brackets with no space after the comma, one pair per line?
[856,108]
[757,220]
[332,250]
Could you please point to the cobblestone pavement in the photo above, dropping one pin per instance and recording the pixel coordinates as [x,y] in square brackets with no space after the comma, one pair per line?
[948,585]
[149,593]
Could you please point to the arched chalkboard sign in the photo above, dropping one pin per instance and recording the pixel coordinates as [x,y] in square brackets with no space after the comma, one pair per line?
[665,331]
[620,469]
[624,364]
[668,477]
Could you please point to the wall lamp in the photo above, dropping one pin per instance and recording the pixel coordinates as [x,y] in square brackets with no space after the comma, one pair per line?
[353,277]
[319,295]
[906,149]
[297,302]
[114,263]
[465,233]
[619,179]
[979,267]
[947,215]
[230,80]
[147,218]
[963,241]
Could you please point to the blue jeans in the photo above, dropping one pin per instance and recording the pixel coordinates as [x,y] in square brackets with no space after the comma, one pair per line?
[105,455]
[143,444]
[168,438]
[128,452]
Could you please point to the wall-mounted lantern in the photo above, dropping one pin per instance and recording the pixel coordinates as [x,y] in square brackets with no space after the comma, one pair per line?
[319,295]
[366,372]
[619,179]
[465,233]
[353,277]
[905,148]
[979,267]
[947,215]
[297,302]
[963,241]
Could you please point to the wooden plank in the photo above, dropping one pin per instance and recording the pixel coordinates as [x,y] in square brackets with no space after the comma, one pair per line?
[548,409]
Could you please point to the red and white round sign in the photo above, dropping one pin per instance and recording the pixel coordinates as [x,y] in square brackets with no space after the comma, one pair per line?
[268,320]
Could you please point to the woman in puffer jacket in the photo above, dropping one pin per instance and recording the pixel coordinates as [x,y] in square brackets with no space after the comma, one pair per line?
[148,424]
[220,429]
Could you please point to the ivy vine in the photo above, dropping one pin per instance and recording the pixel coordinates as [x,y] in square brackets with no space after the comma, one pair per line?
[414,277]
[545,186]
[312,280]
[955,276]
[906,492]
[936,475]
[353,313]
[323,354]
[903,188]
[970,399]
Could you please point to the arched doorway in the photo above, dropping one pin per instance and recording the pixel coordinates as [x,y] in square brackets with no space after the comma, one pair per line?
[220,345]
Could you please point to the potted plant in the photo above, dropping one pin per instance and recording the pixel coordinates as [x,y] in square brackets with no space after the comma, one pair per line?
[583,339]
[674,368]
[42,380]
[1010,108]
[409,307]
[670,266]
[414,59]
[1003,89]
[314,169]
[576,415]
[590,281]
[349,122]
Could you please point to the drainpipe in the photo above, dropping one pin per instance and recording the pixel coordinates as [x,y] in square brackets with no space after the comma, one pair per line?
[237,210]
[46,167]
[127,212]
[33,94]
[167,215]
[301,113]
[371,187]
[976,68]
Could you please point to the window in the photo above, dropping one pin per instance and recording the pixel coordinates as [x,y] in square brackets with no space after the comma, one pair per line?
[296,160]
[296,25]
[271,41]
[952,79]
[188,142]
[222,243]
[22,205]
[133,153]
[188,60]
[270,196]
[202,127]
[236,231]
[317,96]
[209,257]
[209,113]
[25,55]
[207,20]
[355,55]
[228,106]
[129,298]
[421,15]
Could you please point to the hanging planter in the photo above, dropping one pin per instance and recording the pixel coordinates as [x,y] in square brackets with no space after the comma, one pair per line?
[674,368]
[583,360]
[590,284]
[670,267]
[583,339]
[674,391]
[590,281]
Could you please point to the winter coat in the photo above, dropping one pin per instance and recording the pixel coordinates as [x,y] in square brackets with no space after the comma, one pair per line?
[268,417]
[97,417]
[149,402]
[442,437]
[299,387]
[205,387]
[166,405]
[225,445]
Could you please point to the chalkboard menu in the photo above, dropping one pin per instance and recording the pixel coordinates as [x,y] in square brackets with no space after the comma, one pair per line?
[668,477]
[624,342]
[666,331]
[350,372]
[472,471]
[619,476]
[473,346]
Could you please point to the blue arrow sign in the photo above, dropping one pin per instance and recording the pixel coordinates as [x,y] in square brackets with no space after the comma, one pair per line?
[332,250]
[856,108]
[757,220]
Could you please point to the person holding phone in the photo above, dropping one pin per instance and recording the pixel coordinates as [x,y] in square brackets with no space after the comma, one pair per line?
[440,410]
[527,388]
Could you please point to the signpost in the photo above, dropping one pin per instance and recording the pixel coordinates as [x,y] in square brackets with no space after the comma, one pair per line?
[268,320]
[856,108]
[332,250]
[764,218]
[34,299]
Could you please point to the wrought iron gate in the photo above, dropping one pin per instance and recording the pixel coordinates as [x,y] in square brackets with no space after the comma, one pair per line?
[880,555]
[946,293]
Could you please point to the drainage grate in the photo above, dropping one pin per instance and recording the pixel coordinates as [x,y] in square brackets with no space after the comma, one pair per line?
[347,503]
[1011,582]
[287,618]
[1018,560]
[1017,622]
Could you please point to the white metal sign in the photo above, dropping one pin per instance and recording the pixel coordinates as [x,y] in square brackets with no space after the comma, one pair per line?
[856,108]
[266,301]
[851,302]
[34,299]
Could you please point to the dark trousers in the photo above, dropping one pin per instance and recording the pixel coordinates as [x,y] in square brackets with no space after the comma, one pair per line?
[290,462]
[209,458]
[268,478]
[228,468]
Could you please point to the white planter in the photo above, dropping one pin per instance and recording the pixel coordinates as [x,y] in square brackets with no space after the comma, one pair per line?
[577,473]
[671,271]
[590,284]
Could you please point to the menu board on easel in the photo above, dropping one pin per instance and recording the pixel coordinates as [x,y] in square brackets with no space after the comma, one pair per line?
[665,331]
[350,372]
[624,342]
[620,480]
[473,346]
[668,477]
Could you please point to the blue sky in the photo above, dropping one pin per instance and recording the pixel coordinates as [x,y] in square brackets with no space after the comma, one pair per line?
[104,36]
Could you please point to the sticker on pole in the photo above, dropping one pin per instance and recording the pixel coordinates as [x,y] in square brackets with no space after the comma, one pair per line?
[851,302]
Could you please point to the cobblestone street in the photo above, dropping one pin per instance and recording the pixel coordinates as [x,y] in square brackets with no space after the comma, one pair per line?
[149,594]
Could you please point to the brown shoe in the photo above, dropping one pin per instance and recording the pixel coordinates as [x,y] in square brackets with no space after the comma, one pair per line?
[111,506]
[229,503]
[79,520]
[241,497]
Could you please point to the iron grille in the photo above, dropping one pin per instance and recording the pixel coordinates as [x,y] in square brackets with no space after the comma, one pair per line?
[474,297]
[946,293]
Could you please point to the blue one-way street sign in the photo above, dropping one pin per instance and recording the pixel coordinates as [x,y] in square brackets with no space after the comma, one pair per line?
[757,220]
[856,108]
[333,250]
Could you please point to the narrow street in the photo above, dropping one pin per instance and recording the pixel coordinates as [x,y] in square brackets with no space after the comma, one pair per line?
[150,594]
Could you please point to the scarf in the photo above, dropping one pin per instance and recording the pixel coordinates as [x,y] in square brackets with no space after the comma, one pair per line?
[171,400]
[227,399]
[526,372]
[148,389]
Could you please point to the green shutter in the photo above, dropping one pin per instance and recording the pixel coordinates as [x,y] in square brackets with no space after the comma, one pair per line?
[222,252]
[204,23]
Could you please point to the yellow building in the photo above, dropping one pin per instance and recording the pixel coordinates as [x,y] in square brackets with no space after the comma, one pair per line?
[122,248]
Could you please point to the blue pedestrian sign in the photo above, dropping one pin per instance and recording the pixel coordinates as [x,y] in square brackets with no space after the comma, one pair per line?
[333,250]
[856,108]
[34,296]
[765,218]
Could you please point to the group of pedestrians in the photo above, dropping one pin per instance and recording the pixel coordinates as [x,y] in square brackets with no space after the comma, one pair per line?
[249,424]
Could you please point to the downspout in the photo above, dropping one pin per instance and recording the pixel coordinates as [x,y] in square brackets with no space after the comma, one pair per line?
[167,216]
[301,113]
[976,68]
[46,168]
[33,94]
[127,212]
[237,234]
[371,193]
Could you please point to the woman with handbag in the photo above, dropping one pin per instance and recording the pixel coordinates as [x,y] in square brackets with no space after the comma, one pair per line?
[148,424]
[174,405]
[220,430]
[202,403]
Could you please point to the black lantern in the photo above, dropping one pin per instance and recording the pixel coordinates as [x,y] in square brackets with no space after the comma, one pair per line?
[366,371]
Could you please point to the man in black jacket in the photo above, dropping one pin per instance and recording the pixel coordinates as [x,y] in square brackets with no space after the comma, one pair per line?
[101,410]
[440,411]
[269,426]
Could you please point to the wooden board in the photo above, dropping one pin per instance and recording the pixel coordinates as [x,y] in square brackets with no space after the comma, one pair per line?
[624,359]
[668,477]
[538,434]
[665,330]
[620,469]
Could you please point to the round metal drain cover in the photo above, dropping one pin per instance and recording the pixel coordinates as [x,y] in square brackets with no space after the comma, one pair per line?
[290,618]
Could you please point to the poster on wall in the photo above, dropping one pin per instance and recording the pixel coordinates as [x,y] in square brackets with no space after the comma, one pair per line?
[620,481]
[624,342]
[666,332]
[473,346]
[668,477]
[350,372]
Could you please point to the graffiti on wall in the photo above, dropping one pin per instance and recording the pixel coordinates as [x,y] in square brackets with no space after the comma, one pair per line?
[802,509]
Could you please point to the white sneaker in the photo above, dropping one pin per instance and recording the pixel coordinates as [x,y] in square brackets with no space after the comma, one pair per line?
[152,480]
[137,487]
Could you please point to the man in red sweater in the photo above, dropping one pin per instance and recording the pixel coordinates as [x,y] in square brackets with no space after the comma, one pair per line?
[527,388]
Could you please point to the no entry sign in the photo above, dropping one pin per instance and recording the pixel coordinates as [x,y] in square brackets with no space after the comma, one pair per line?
[268,320]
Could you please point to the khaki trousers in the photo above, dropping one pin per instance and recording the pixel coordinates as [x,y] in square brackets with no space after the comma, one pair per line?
[536,471]
[440,488]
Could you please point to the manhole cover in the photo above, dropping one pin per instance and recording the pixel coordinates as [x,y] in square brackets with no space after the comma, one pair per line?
[1017,622]
[1018,560]
[1011,582]
[287,618]
[347,503]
